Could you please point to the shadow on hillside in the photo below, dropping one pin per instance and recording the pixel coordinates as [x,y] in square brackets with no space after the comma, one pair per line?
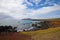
[14,36]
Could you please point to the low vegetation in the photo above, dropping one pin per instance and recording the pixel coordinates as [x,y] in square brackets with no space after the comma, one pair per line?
[8,29]
[47,34]
[51,33]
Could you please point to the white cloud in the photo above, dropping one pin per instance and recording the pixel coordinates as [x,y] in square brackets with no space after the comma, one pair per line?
[15,9]
[45,10]
[12,7]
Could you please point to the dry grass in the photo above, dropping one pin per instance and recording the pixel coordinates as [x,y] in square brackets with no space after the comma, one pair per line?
[14,36]
[48,34]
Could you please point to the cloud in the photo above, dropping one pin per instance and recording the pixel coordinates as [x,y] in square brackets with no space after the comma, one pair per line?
[36,4]
[12,7]
[17,10]
[45,10]
[53,14]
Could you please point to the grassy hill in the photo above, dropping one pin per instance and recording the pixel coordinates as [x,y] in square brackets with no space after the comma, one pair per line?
[47,34]
[14,36]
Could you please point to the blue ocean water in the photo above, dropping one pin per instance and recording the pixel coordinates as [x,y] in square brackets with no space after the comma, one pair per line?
[26,24]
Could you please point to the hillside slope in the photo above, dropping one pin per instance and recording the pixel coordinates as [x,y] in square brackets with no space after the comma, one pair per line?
[47,34]
[13,36]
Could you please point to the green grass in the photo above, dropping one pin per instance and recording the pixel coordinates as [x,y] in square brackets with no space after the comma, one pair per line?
[47,34]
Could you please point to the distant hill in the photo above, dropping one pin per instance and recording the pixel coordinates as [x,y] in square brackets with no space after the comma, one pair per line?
[49,19]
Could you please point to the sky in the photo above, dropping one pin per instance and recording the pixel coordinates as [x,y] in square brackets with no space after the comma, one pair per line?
[19,9]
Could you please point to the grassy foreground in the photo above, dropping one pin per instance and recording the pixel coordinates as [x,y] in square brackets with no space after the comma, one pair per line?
[47,34]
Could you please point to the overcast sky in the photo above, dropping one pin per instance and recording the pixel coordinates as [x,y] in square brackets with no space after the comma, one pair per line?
[19,9]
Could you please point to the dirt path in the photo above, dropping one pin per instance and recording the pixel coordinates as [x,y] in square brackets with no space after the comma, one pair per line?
[14,36]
